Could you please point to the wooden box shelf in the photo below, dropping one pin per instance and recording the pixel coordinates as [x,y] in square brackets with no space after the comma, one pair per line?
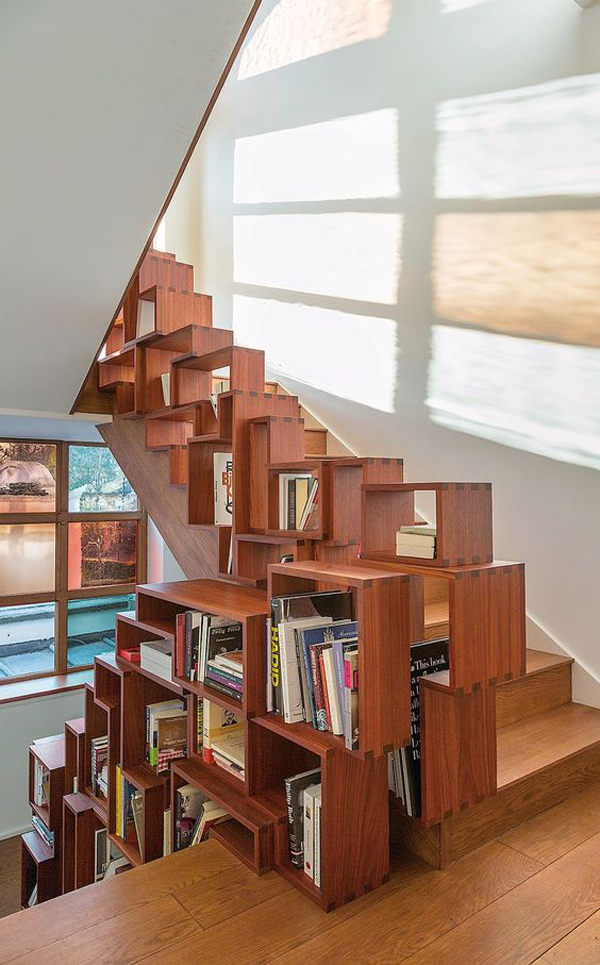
[96,725]
[272,439]
[382,609]
[80,823]
[160,604]
[249,833]
[320,471]
[176,308]
[463,517]
[50,755]
[39,868]
[192,374]
[253,554]
[347,477]
[157,268]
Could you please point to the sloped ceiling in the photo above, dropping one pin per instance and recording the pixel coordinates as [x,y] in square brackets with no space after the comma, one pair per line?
[100,101]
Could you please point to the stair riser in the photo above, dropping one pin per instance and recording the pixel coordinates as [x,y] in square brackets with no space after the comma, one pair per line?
[533,694]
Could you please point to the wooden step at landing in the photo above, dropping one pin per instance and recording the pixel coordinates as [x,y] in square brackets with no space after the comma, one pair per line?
[546,685]
[530,746]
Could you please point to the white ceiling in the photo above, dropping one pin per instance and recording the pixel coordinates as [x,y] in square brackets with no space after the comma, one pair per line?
[99,102]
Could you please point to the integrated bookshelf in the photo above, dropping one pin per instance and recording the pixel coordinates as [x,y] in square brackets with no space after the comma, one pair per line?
[219,405]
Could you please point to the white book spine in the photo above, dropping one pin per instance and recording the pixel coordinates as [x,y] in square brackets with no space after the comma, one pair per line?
[317,840]
[290,676]
[309,841]
[337,724]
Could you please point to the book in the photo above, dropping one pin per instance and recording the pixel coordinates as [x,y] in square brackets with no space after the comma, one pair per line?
[165,383]
[292,703]
[351,699]
[426,657]
[232,747]
[171,740]
[101,852]
[173,711]
[294,797]
[313,642]
[146,318]
[332,696]
[156,657]
[188,801]
[419,541]
[223,487]
[137,808]
[221,636]
[233,661]
[166,832]
[309,795]
[334,605]
[309,518]
[317,839]
[217,722]
[218,387]
[293,493]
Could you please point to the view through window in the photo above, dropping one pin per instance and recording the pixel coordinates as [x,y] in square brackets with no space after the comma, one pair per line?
[72,540]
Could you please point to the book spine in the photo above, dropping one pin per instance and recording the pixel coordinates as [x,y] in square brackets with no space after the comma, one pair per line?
[317,840]
[302,674]
[188,645]
[290,677]
[269,695]
[319,697]
[291,492]
[227,681]
[325,688]
[310,688]
[309,841]
[223,688]
[179,645]
[275,666]
[294,813]
[206,741]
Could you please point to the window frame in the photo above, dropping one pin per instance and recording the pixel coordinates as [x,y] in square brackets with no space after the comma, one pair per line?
[61,517]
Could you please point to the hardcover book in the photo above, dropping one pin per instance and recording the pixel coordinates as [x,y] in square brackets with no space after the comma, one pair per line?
[223,476]
[294,792]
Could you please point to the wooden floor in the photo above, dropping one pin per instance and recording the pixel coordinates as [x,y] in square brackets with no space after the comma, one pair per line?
[531,896]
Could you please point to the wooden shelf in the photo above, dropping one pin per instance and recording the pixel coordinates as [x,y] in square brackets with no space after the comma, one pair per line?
[316,741]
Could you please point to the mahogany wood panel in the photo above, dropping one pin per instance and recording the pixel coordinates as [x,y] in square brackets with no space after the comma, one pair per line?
[52,756]
[252,557]
[347,478]
[315,441]
[458,750]
[74,752]
[38,866]
[271,439]
[246,366]
[194,549]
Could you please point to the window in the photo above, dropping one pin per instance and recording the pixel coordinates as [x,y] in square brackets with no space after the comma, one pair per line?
[72,548]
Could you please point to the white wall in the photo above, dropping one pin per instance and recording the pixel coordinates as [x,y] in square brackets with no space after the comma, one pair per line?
[21,722]
[399,201]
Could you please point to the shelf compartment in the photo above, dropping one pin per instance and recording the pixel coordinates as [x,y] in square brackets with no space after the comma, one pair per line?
[486,617]
[201,481]
[382,601]
[154,790]
[51,755]
[273,439]
[175,309]
[252,555]
[162,602]
[192,374]
[320,470]
[354,816]
[74,754]
[347,477]
[250,838]
[157,268]
[463,516]
[166,427]
[38,867]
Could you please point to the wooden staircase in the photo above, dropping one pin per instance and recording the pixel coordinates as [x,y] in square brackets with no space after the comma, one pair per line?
[515,742]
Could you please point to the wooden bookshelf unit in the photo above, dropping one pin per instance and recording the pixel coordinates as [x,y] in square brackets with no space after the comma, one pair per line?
[475,775]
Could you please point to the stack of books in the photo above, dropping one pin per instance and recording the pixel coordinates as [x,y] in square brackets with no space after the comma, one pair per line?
[313,656]
[211,813]
[303,799]
[202,637]
[99,765]
[228,752]
[166,733]
[225,672]
[128,815]
[156,656]
[418,541]
[46,835]
[41,784]
[298,501]
[404,766]
[223,739]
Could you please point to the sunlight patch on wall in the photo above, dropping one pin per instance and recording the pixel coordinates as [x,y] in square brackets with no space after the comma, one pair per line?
[298,29]
[451,6]
[529,142]
[350,356]
[348,157]
[351,254]
[537,396]
[525,273]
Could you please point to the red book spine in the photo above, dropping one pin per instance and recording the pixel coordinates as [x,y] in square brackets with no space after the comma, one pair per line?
[319,697]
[179,644]
[325,690]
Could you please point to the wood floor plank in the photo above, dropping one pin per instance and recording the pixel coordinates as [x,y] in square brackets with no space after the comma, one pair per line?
[581,947]
[37,927]
[523,925]
[230,893]
[274,927]
[558,830]
[125,939]
[401,924]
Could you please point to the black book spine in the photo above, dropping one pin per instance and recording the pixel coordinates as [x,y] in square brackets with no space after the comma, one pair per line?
[275,658]
[223,689]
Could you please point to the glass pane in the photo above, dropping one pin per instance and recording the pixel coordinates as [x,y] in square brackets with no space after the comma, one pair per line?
[27,558]
[26,639]
[91,626]
[27,477]
[102,554]
[96,484]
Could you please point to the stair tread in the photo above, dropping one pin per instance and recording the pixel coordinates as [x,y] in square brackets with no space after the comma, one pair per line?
[534,743]
[538,660]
